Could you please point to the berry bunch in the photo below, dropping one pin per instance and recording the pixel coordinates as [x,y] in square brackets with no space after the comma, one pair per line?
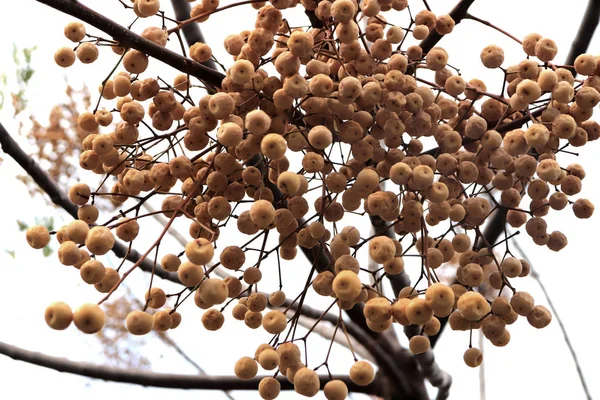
[338,114]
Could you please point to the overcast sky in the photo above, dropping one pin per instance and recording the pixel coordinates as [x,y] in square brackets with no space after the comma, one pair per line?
[536,364]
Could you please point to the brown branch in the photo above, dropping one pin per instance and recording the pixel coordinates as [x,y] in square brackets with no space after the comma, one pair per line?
[315,21]
[155,379]
[191,32]
[47,184]
[400,368]
[128,39]
[58,197]
[587,27]
[458,13]
[426,361]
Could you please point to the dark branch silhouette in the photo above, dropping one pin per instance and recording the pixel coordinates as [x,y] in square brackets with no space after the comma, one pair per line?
[154,379]
[128,39]
[458,13]
[587,27]
[58,197]
[191,32]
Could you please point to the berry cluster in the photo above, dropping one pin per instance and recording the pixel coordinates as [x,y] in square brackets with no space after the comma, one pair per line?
[340,111]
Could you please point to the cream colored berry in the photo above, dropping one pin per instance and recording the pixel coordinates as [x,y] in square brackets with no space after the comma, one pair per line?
[378,309]
[190,274]
[347,285]
[335,390]
[162,321]
[68,253]
[245,368]
[213,319]
[87,52]
[492,56]
[362,373]
[156,297]
[320,137]
[382,249]
[139,322]
[522,303]
[64,57]
[110,279]
[440,298]
[58,315]
[546,49]
[241,72]
[99,240]
[306,382]
[213,291]
[277,298]
[419,344]
[473,306]
[170,262]
[269,388]
[473,357]
[199,251]
[37,236]
[92,272]
[79,193]
[89,318]
[262,213]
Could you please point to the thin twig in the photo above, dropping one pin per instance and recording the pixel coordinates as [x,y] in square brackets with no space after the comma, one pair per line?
[563,329]
[58,197]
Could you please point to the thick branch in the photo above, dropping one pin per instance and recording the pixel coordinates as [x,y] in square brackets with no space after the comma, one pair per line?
[128,39]
[154,379]
[426,361]
[321,258]
[458,13]
[587,27]
[12,148]
[191,32]
[47,184]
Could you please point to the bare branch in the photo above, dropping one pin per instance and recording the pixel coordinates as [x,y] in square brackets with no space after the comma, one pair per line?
[155,379]
[128,39]
[191,32]
[47,184]
[587,27]
[458,13]
[536,276]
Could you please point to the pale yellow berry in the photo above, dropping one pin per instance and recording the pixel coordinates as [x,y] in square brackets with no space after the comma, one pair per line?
[58,315]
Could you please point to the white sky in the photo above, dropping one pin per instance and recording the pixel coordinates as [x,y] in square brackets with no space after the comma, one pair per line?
[536,364]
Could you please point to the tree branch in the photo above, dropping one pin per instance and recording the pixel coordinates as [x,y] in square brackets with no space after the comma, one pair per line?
[587,27]
[128,39]
[458,13]
[47,184]
[154,379]
[191,32]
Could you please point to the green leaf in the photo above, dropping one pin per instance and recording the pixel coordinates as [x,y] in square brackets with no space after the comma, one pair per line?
[22,225]
[26,74]
[50,223]
[15,54]
[11,253]
[47,251]
[27,52]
